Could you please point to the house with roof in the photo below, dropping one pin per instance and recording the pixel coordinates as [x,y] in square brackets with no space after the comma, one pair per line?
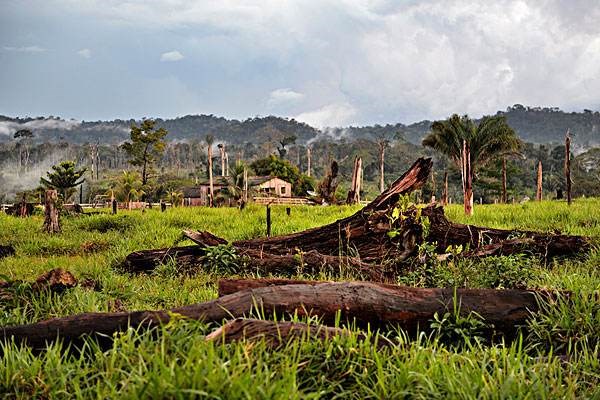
[258,186]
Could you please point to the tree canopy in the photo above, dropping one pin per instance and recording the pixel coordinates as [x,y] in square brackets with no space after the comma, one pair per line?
[64,177]
[146,146]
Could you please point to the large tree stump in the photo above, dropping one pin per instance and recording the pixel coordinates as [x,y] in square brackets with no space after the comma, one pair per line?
[365,303]
[51,212]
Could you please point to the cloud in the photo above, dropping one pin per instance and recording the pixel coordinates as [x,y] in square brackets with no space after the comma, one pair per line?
[171,56]
[328,115]
[345,61]
[284,96]
[10,127]
[25,49]
[85,53]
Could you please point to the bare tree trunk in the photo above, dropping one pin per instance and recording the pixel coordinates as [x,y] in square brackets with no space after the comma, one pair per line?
[538,194]
[210,177]
[382,145]
[354,193]
[51,219]
[308,159]
[245,195]
[568,166]
[445,193]
[504,195]
[467,176]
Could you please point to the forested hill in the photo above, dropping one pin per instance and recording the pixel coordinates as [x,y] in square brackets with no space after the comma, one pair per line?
[533,124]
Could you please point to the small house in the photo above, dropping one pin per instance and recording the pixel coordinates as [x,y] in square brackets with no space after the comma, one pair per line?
[262,186]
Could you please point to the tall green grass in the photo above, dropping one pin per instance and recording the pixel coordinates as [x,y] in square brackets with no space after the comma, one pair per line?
[175,362]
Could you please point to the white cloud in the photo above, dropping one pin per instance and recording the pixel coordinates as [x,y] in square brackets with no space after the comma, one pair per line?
[25,49]
[171,56]
[328,115]
[284,96]
[10,127]
[85,53]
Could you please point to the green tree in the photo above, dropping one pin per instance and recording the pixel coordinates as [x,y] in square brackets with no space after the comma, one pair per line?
[470,145]
[129,187]
[145,147]
[64,177]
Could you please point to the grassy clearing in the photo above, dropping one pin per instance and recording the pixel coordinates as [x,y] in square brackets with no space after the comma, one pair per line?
[175,362]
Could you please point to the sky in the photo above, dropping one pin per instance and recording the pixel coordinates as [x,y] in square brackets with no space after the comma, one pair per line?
[323,62]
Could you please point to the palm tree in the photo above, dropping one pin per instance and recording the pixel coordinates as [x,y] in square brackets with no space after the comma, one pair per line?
[471,145]
[175,198]
[64,177]
[129,187]
[210,139]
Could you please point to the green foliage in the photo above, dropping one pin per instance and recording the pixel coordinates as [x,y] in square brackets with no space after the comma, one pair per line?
[129,187]
[457,330]
[222,260]
[64,177]
[146,146]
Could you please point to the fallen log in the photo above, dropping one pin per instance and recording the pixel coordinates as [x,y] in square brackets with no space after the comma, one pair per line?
[230,286]
[365,303]
[274,333]
[485,242]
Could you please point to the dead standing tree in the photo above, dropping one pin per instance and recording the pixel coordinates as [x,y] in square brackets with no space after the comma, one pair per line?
[382,144]
[209,142]
[354,192]
[568,166]
[51,212]
[538,192]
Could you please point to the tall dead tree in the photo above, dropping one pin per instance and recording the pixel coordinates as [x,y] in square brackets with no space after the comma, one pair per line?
[51,215]
[209,141]
[382,144]
[445,192]
[327,187]
[354,192]
[95,159]
[568,165]
[467,178]
[504,195]
[223,154]
[308,159]
[538,193]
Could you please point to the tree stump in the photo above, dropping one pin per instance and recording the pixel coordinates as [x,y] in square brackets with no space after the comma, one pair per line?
[51,212]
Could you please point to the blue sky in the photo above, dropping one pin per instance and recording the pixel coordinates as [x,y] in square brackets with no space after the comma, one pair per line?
[328,63]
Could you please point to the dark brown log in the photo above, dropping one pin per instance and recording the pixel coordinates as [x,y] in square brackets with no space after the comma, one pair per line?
[230,286]
[6,251]
[274,333]
[148,260]
[363,302]
[489,241]
[204,239]
[51,220]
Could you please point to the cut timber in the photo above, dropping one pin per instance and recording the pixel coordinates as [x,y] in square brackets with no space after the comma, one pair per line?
[490,241]
[366,303]
[274,333]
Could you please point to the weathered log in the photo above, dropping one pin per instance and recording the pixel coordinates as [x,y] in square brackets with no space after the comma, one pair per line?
[203,238]
[489,241]
[274,333]
[230,286]
[193,258]
[6,251]
[365,303]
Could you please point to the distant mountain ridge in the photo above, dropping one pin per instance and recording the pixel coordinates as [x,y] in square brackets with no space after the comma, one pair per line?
[533,124]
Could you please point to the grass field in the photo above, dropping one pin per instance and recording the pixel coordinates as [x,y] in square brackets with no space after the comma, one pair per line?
[558,358]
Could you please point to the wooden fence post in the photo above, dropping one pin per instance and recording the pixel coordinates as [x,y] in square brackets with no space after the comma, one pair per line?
[268,220]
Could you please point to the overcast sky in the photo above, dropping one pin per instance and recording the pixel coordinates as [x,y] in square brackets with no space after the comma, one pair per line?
[328,63]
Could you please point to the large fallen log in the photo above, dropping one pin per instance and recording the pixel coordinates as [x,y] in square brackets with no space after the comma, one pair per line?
[484,241]
[365,303]
[274,333]
[230,286]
